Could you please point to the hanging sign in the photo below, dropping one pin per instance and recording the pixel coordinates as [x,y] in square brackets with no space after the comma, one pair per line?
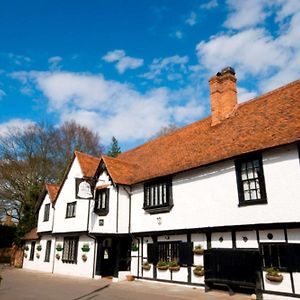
[84,189]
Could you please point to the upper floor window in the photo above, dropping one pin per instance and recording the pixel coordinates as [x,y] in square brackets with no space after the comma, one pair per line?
[46,212]
[102,202]
[158,196]
[251,182]
[70,250]
[71,210]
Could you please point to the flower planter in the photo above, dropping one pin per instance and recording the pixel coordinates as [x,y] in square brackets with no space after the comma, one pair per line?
[57,256]
[37,256]
[130,277]
[174,268]
[84,257]
[277,278]
[162,268]
[198,251]
[85,249]
[198,271]
[146,267]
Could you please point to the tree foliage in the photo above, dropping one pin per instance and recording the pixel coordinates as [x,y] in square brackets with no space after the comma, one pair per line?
[165,130]
[114,149]
[33,156]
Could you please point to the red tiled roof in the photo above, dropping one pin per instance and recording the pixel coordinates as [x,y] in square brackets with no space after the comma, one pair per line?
[31,235]
[52,191]
[264,122]
[88,163]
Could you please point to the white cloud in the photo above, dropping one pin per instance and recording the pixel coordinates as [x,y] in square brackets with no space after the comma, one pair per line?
[2,94]
[19,59]
[243,94]
[209,5]
[123,62]
[14,124]
[246,13]
[112,108]
[178,34]
[192,19]
[173,66]
[54,62]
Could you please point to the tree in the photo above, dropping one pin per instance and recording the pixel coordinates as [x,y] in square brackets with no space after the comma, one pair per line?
[165,130]
[33,156]
[114,149]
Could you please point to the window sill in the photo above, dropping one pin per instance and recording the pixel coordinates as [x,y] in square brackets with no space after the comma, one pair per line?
[158,209]
[70,217]
[252,202]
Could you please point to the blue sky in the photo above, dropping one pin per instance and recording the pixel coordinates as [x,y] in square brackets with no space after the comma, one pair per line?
[128,68]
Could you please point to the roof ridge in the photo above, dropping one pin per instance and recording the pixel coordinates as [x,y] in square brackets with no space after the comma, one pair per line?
[85,154]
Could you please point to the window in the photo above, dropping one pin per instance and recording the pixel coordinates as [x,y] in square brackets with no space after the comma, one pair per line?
[71,210]
[48,250]
[31,257]
[70,250]
[46,212]
[250,179]
[181,252]
[158,196]
[102,202]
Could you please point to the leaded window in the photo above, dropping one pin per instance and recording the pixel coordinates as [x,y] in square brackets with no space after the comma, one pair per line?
[250,179]
[71,210]
[70,250]
[102,202]
[158,196]
[48,250]
[46,212]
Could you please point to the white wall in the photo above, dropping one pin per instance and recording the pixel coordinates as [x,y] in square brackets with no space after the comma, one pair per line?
[208,196]
[82,268]
[67,195]
[39,263]
[45,225]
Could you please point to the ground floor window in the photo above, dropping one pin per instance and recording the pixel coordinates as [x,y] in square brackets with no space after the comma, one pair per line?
[31,257]
[70,250]
[48,249]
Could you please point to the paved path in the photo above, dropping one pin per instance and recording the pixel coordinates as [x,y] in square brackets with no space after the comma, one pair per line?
[28,285]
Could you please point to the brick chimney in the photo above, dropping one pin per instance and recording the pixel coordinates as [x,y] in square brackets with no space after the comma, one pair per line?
[223,96]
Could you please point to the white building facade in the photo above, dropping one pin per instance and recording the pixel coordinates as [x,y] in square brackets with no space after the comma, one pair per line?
[215,203]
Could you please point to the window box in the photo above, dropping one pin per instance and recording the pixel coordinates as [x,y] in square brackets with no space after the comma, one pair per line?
[162,265]
[146,266]
[174,266]
[198,250]
[198,271]
[273,275]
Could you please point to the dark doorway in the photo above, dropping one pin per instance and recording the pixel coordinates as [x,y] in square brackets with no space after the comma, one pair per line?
[113,255]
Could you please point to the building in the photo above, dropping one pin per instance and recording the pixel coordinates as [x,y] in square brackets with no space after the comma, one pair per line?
[227,185]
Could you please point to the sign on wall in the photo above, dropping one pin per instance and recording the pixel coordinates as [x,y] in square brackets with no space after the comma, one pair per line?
[84,189]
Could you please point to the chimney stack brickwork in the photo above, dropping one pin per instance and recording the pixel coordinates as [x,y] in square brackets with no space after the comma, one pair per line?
[223,95]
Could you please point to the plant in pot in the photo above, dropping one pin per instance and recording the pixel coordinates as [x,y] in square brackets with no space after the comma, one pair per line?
[174,265]
[57,256]
[26,247]
[59,247]
[273,275]
[146,266]
[84,257]
[134,247]
[198,270]
[85,248]
[198,249]
[37,255]
[162,265]
[39,247]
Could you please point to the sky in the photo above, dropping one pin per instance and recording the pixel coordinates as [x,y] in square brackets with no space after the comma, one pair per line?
[129,68]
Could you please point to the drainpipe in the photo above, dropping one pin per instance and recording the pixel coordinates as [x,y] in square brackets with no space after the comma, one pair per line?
[129,193]
[53,261]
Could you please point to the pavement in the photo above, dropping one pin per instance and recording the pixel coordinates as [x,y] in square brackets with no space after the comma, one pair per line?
[25,284]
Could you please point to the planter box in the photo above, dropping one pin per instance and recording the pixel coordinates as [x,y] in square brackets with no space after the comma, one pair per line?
[162,268]
[175,268]
[198,273]
[146,267]
[273,278]
[198,251]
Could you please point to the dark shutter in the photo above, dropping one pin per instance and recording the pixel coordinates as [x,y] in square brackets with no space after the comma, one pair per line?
[294,257]
[186,256]
[151,254]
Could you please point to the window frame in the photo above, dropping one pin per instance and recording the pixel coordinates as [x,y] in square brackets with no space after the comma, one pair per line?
[152,193]
[46,212]
[101,211]
[70,250]
[260,179]
[71,209]
[48,251]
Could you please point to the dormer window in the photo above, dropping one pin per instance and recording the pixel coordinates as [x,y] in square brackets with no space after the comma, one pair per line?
[158,196]
[102,202]
[46,212]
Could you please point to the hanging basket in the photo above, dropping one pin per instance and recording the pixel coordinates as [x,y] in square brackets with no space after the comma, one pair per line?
[146,267]
[277,278]
[174,268]
[162,268]
[198,251]
[198,271]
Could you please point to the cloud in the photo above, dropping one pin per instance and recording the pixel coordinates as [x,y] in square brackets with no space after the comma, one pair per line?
[14,124]
[19,59]
[2,94]
[172,66]
[244,94]
[54,62]
[112,108]
[178,34]
[123,62]
[209,5]
[192,19]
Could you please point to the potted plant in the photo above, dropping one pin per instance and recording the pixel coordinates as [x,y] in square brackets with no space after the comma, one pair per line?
[174,266]
[57,256]
[273,275]
[199,271]
[84,257]
[59,247]
[39,247]
[134,247]
[26,247]
[162,265]
[130,277]
[37,255]
[85,248]
[198,249]
[146,266]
